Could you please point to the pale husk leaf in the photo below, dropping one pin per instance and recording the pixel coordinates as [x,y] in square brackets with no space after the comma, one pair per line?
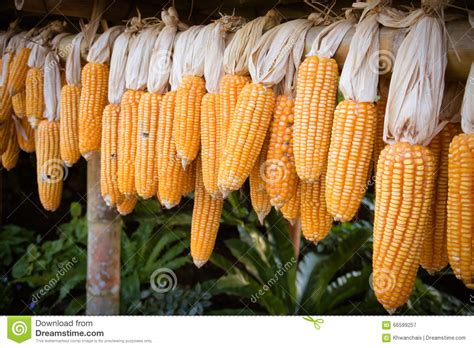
[359,76]
[195,55]
[237,53]
[102,48]
[52,87]
[118,62]
[467,110]
[268,61]
[328,40]
[7,57]
[73,62]
[183,44]
[452,102]
[417,84]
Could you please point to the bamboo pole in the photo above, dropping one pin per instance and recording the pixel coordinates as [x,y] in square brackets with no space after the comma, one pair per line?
[103,248]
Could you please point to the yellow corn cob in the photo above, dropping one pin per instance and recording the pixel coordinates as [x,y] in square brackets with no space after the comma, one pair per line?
[205,221]
[187,111]
[94,79]
[146,171]
[10,156]
[404,190]
[461,208]
[210,141]
[229,90]
[171,175]
[350,155]
[127,205]
[245,137]
[258,193]
[189,179]
[291,209]
[280,172]
[49,166]
[18,71]
[5,129]
[379,144]
[69,124]
[5,104]
[34,103]
[316,92]
[108,156]
[316,222]
[26,141]
[127,141]
[18,104]
[434,252]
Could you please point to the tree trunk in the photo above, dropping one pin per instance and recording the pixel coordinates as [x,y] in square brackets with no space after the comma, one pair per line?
[103,248]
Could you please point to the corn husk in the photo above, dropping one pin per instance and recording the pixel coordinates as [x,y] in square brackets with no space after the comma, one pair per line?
[101,50]
[52,87]
[467,110]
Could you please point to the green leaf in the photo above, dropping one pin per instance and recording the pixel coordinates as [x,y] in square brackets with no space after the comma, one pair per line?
[76,210]
[130,290]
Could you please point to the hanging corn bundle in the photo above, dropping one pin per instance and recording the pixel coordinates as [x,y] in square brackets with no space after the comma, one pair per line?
[210,113]
[205,221]
[434,252]
[187,113]
[316,92]
[49,166]
[461,192]
[354,124]
[25,134]
[406,168]
[172,178]
[255,104]
[5,129]
[110,123]
[136,74]
[146,162]
[94,80]
[70,99]
[18,104]
[12,151]
[259,197]
[235,61]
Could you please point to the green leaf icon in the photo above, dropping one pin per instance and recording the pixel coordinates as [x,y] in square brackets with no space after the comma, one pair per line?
[19,328]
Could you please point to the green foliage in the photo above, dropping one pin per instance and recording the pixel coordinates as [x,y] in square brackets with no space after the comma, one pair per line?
[13,242]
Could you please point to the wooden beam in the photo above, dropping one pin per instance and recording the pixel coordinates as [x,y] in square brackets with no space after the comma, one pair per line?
[103,248]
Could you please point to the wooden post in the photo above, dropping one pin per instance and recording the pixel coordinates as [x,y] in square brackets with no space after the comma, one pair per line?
[103,247]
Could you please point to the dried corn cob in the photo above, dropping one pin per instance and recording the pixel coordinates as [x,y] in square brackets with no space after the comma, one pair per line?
[246,136]
[69,125]
[5,129]
[258,193]
[316,222]
[189,182]
[5,97]
[127,205]
[205,221]
[18,104]
[127,142]
[291,209]
[280,172]
[108,157]
[186,128]
[171,175]
[26,138]
[404,190]
[11,153]
[229,91]
[50,168]
[18,70]
[350,155]
[210,141]
[34,103]
[434,252]
[146,171]
[460,209]
[93,100]
[314,111]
